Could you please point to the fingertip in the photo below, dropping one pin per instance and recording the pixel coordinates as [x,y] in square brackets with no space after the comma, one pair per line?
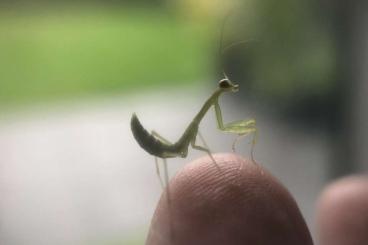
[342,212]
[239,204]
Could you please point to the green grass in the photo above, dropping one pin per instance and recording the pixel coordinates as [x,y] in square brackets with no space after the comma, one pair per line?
[54,54]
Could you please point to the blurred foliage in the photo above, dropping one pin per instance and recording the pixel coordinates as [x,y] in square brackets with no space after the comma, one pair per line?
[56,52]
[88,2]
[204,9]
[51,53]
[289,50]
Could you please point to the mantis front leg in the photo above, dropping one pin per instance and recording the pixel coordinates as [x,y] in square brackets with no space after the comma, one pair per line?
[241,128]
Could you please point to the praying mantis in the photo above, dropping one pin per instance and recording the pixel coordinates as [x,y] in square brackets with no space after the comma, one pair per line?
[160,147]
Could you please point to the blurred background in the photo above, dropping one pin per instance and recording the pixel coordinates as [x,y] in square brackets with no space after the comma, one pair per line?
[73,72]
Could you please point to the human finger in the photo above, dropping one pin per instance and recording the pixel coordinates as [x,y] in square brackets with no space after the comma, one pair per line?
[231,202]
[342,212]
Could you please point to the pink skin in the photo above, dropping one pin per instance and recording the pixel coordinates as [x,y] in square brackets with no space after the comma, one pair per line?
[239,204]
[342,216]
[244,204]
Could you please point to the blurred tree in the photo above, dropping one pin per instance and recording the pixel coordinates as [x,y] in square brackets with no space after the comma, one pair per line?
[204,9]
[87,2]
[296,61]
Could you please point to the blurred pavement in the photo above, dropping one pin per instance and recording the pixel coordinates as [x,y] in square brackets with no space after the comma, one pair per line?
[73,174]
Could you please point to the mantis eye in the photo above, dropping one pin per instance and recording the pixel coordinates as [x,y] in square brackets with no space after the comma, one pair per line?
[224,83]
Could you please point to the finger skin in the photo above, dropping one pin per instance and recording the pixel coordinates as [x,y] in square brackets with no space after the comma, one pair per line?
[236,202]
[342,216]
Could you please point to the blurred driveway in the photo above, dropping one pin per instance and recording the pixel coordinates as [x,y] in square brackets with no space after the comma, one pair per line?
[73,173]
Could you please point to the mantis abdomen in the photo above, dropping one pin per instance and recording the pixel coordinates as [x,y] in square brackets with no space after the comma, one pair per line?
[146,140]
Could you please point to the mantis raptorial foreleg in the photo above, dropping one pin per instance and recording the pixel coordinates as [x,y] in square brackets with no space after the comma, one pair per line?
[241,128]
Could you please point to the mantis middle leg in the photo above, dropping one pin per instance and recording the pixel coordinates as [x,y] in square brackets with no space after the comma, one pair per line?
[201,148]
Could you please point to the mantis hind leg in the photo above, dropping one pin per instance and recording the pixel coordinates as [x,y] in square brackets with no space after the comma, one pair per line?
[201,148]
[154,133]
[158,172]
[166,172]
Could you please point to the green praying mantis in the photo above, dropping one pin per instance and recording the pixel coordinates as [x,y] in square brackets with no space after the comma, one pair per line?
[160,147]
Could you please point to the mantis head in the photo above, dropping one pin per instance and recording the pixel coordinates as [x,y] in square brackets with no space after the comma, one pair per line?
[226,85]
